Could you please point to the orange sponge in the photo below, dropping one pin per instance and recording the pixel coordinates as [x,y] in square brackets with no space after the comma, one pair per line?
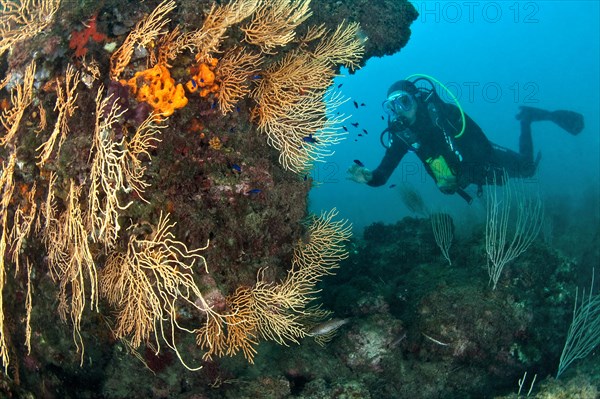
[156,87]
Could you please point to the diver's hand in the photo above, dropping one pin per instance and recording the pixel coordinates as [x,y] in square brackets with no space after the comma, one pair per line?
[359,174]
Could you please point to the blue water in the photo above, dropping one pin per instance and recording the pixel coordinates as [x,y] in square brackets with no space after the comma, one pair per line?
[494,56]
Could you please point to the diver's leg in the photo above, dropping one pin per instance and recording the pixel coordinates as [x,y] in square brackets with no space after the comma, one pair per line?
[515,164]
[527,165]
[526,142]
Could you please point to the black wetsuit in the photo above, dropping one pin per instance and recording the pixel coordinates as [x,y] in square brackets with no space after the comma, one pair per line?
[471,158]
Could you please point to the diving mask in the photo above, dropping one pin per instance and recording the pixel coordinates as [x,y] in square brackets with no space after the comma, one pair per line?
[398,103]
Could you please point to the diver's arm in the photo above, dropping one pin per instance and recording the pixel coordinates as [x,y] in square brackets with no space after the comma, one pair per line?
[390,161]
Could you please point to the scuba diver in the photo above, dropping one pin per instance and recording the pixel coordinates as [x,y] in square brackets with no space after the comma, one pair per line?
[452,147]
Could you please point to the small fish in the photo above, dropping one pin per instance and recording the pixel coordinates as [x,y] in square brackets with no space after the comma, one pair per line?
[355,140]
[237,108]
[355,104]
[305,177]
[236,168]
[254,191]
[194,84]
[358,162]
[363,104]
[355,124]
[201,80]
[392,185]
[345,128]
[310,139]
[327,327]
[340,85]
[360,135]
[256,77]
[365,131]
[382,118]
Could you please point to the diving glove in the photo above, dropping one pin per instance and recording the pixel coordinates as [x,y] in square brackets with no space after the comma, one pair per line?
[359,174]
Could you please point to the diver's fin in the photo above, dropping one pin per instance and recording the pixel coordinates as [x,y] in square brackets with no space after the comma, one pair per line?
[571,121]
[532,114]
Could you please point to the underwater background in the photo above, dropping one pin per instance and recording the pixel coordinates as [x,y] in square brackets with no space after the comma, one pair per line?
[170,228]
[493,57]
